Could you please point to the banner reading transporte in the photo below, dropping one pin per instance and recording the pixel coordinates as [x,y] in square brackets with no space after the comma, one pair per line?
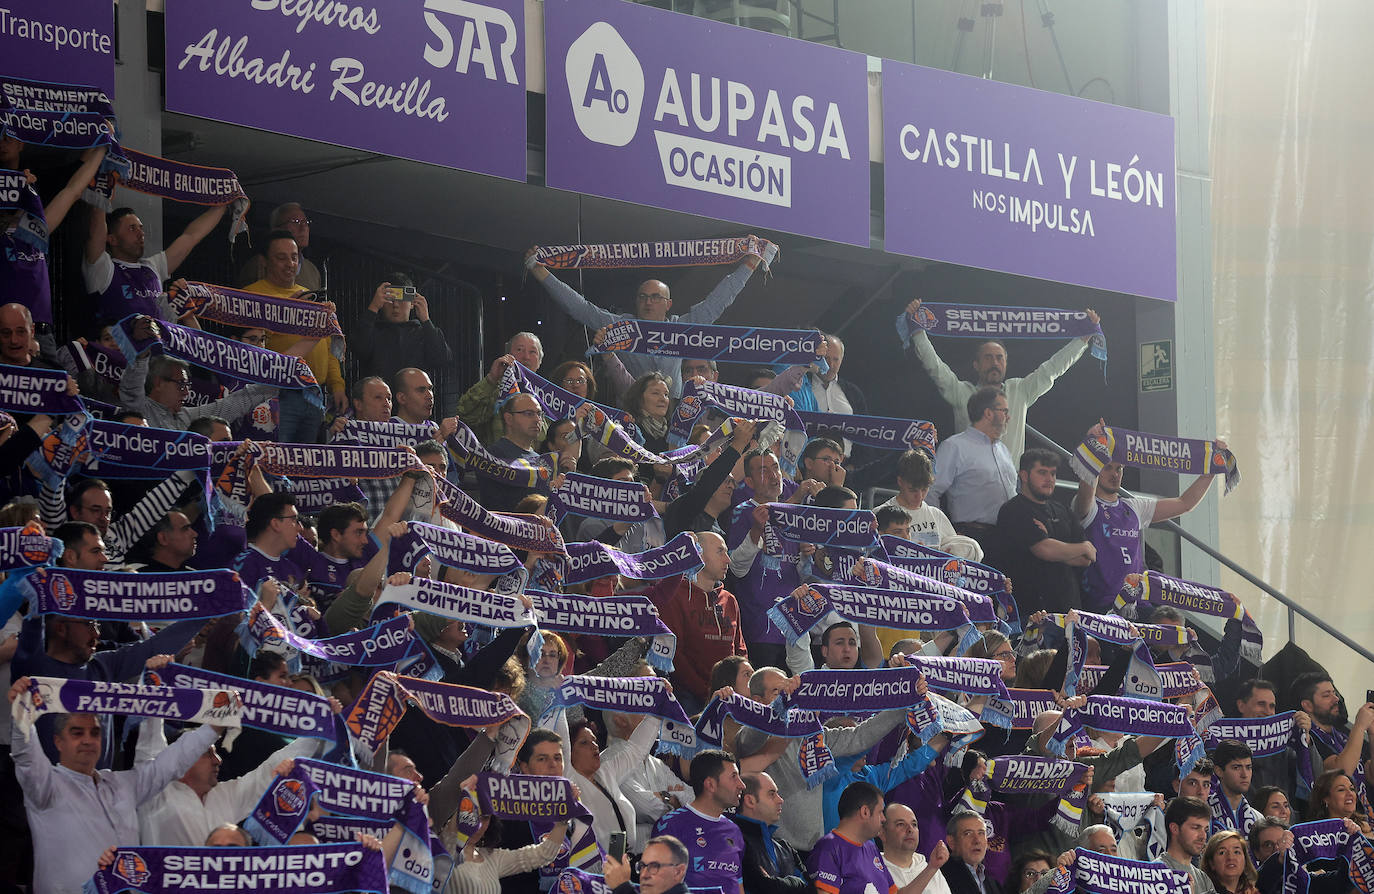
[720,121]
[1024,181]
[71,42]
[402,79]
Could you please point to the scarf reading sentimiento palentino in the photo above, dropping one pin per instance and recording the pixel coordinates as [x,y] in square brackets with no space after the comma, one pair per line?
[1098,873]
[343,791]
[990,321]
[283,710]
[823,525]
[385,698]
[457,549]
[882,432]
[604,498]
[1263,735]
[392,433]
[1154,589]
[875,574]
[616,616]
[732,400]
[817,763]
[129,596]
[650,696]
[528,532]
[25,390]
[250,310]
[314,495]
[246,362]
[796,613]
[318,868]
[58,695]
[677,253]
[459,603]
[733,344]
[178,181]
[592,559]
[1186,456]
[965,573]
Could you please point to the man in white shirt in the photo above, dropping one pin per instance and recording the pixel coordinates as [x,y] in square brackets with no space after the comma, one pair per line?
[126,281]
[911,871]
[990,368]
[974,469]
[929,526]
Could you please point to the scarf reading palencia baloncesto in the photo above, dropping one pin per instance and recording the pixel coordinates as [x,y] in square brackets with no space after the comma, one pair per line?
[677,253]
[1186,456]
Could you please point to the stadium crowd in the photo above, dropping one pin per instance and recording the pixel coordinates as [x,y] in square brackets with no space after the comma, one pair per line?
[610,622]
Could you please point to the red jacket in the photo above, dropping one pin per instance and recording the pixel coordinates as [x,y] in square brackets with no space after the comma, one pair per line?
[707,628]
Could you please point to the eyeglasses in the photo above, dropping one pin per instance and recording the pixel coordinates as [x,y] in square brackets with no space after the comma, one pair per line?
[580,380]
[99,511]
[1033,873]
[296,519]
[182,384]
[643,297]
[528,414]
[655,867]
[1004,655]
[297,221]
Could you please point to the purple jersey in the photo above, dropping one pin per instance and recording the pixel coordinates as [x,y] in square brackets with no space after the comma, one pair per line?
[714,845]
[24,264]
[840,866]
[773,574]
[325,574]
[254,565]
[1114,529]
[122,288]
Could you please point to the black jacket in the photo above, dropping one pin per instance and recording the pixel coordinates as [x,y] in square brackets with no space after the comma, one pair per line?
[961,880]
[783,874]
[381,348]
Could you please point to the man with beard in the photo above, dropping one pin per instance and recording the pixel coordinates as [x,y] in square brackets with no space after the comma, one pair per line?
[1115,525]
[1044,544]
[1342,746]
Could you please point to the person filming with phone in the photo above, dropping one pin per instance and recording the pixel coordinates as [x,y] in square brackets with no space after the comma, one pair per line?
[396,331]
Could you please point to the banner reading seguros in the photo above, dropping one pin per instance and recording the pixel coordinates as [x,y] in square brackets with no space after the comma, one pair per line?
[691,115]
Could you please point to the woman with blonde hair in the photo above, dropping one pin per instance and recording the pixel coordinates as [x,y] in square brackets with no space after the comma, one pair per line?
[1226,860]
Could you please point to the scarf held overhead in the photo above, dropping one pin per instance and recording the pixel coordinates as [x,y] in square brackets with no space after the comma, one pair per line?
[677,253]
[1143,450]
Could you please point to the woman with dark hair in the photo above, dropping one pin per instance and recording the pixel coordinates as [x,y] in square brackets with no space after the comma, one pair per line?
[485,862]
[1271,800]
[1226,861]
[1028,868]
[603,781]
[562,440]
[648,401]
[1334,797]
[575,376]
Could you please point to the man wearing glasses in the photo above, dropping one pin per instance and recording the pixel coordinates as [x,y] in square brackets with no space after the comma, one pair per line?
[521,418]
[272,526]
[292,218]
[974,471]
[158,388]
[653,300]
[663,869]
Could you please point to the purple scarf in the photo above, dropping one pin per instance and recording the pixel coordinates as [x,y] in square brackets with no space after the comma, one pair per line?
[964,573]
[733,344]
[1135,716]
[817,763]
[732,400]
[590,560]
[320,869]
[1023,705]
[58,695]
[1263,735]
[557,403]
[678,253]
[989,321]
[456,549]
[876,574]
[1327,840]
[224,355]
[1101,874]
[275,709]
[314,495]
[604,498]
[384,699]
[468,453]
[651,696]
[249,310]
[27,547]
[128,596]
[392,433]
[28,390]
[1160,589]
[534,799]
[335,461]
[824,526]
[1186,456]
[882,432]
[972,676]
[614,616]
[382,645]
[178,181]
[528,532]
[464,604]
[1024,774]
[796,613]
[30,226]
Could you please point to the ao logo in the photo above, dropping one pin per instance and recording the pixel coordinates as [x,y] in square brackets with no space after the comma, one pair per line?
[606,85]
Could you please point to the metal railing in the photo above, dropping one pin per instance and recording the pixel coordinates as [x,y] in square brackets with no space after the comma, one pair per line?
[1293,608]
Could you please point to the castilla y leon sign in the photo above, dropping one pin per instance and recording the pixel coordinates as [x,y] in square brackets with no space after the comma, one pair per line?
[439,81]
[1007,178]
[683,113]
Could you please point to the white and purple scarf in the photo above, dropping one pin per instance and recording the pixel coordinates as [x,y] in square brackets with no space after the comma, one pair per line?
[1166,453]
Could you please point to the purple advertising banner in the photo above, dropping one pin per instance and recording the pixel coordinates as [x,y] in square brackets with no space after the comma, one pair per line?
[70,42]
[438,81]
[1007,178]
[683,113]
